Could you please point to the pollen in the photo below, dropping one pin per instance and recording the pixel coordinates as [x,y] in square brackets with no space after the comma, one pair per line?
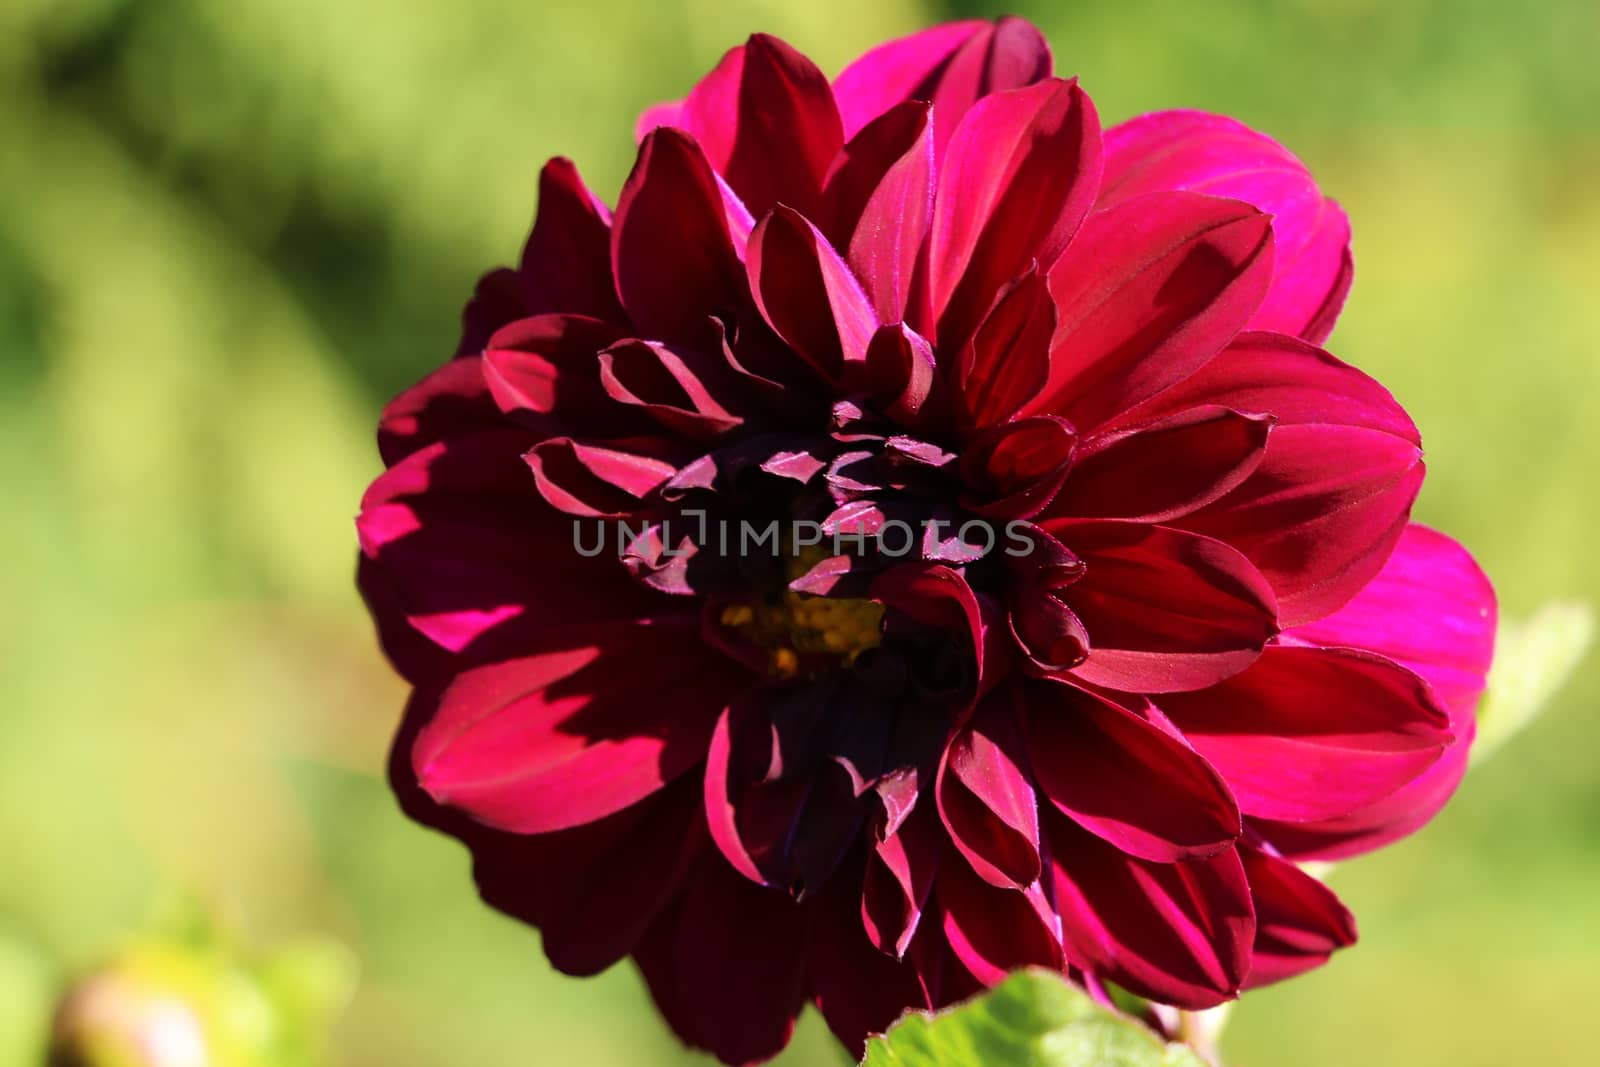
[806,633]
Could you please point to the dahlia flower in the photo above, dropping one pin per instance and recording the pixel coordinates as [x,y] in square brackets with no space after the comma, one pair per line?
[930,293]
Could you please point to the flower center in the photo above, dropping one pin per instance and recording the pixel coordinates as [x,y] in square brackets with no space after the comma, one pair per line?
[806,634]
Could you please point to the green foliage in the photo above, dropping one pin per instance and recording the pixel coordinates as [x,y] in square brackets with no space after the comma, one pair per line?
[1035,1018]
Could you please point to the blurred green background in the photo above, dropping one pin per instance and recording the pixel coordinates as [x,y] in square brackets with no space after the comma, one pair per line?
[229,231]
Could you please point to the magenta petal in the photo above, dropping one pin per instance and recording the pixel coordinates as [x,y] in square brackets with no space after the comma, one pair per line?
[1177,933]
[1014,469]
[1163,469]
[767,121]
[1310,733]
[1019,176]
[1124,778]
[566,264]
[1299,922]
[563,736]
[594,480]
[1008,359]
[993,931]
[985,796]
[673,200]
[666,113]
[878,204]
[952,66]
[1294,382]
[1149,291]
[898,878]
[678,387]
[901,372]
[1216,155]
[1430,609]
[1165,610]
[808,294]
[1320,514]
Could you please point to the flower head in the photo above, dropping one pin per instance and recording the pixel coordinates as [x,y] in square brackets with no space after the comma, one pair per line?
[1154,624]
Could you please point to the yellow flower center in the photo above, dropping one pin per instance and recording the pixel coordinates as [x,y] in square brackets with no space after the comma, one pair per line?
[805,631]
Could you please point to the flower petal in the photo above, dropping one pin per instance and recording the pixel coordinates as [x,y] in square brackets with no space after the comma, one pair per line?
[566,264]
[543,371]
[1014,469]
[1008,359]
[808,294]
[1299,922]
[596,718]
[994,931]
[1165,610]
[952,66]
[878,204]
[671,245]
[1309,733]
[1160,470]
[766,119]
[1216,155]
[1320,514]
[596,480]
[985,796]
[1177,933]
[1124,778]
[898,879]
[683,389]
[1148,291]
[449,402]
[1019,176]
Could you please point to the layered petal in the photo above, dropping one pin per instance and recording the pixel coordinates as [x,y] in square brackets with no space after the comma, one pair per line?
[594,719]
[809,295]
[1149,291]
[1299,922]
[1165,610]
[566,263]
[985,796]
[1216,155]
[1307,734]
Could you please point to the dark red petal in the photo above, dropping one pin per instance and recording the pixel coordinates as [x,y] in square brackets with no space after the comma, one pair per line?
[859,989]
[1019,176]
[671,246]
[901,373]
[1321,513]
[566,264]
[1008,359]
[985,796]
[767,121]
[1124,778]
[683,389]
[1299,922]
[1046,630]
[728,969]
[449,402]
[1309,733]
[937,596]
[878,204]
[993,931]
[1177,933]
[1014,470]
[1160,470]
[952,66]
[1221,157]
[898,878]
[1294,382]
[598,717]
[594,480]
[808,294]
[1148,292]
[498,299]
[544,372]
[1165,610]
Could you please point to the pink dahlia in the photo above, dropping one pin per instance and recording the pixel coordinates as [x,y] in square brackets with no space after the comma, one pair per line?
[1155,627]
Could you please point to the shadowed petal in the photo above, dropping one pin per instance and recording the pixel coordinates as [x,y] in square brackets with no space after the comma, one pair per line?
[566,264]
[598,717]
[985,796]
[1007,361]
[596,480]
[993,931]
[1124,778]
[1221,157]
[898,878]
[1177,933]
[809,295]
[1149,291]
[1299,922]
[1165,610]
[1309,733]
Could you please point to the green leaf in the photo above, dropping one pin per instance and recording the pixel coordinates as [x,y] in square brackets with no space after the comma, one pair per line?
[1035,1018]
[1533,659]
